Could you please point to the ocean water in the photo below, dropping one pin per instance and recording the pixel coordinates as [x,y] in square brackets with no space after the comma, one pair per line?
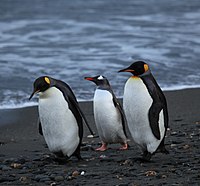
[69,40]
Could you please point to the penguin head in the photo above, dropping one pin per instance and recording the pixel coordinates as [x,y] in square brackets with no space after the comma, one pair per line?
[98,80]
[41,84]
[137,68]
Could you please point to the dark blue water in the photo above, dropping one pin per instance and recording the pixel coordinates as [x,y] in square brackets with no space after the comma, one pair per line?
[72,39]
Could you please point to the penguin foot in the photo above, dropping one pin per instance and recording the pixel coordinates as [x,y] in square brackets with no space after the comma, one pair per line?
[124,147]
[102,148]
[59,154]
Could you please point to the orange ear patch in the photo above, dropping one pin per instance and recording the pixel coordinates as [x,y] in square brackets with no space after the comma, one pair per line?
[146,67]
[47,80]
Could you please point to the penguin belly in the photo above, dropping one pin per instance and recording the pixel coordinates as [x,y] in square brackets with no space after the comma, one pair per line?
[137,102]
[107,118]
[59,126]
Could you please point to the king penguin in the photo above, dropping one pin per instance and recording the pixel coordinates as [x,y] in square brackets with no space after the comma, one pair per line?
[145,108]
[109,116]
[60,117]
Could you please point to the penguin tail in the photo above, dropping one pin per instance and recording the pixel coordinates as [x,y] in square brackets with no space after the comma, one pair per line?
[78,156]
[77,153]
[162,149]
[146,156]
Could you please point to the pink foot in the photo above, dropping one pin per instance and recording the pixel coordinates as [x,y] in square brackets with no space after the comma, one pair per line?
[124,147]
[102,148]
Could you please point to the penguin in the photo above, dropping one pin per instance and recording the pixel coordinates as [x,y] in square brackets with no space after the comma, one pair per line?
[145,107]
[108,114]
[60,117]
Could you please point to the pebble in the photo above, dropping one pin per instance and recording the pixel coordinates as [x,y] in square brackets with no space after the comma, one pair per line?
[16,165]
[186,147]
[20,160]
[173,145]
[103,156]
[23,179]
[173,133]
[42,178]
[127,162]
[7,179]
[70,178]
[5,168]
[87,148]
[59,178]
[90,136]
[150,173]
[53,184]
[45,179]
[75,173]
[23,171]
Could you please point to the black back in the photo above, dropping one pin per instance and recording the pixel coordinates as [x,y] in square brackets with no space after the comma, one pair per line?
[159,103]
[121,111]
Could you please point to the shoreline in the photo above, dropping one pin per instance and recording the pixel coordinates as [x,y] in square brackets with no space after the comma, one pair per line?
[20,143]
[32,103]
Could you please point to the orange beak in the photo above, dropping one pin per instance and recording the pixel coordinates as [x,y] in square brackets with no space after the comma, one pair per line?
[89,78]
[126,70]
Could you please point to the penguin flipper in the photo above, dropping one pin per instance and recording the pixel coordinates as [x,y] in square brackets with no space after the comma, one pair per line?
[154,118]
[40,127]
[84,118]
[120,109]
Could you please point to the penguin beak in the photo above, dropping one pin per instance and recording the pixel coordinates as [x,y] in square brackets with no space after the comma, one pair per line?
[126,70]
[89,78]
[34,92]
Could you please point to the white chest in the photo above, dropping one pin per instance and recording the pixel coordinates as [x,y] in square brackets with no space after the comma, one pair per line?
[107,117]
[136,103]
[104,109]
[137,99]
[59,125]
[102,96]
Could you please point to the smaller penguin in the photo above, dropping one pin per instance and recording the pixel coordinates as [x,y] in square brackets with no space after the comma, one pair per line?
[109,116]
[60,117]
[145,108]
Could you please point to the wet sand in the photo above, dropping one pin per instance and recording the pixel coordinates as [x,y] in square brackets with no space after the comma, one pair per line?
[25,159]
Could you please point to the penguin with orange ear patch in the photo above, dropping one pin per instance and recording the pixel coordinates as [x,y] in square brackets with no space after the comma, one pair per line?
[145,108]
[60,117]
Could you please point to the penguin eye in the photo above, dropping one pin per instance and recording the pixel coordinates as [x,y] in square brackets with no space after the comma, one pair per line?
[146,67]
[47,80]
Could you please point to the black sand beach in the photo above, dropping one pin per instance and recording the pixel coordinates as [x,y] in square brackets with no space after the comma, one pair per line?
[25,160]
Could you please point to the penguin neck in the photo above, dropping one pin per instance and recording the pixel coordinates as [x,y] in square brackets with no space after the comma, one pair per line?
[141,76]
[135,77]
[103,87]
[49,93]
